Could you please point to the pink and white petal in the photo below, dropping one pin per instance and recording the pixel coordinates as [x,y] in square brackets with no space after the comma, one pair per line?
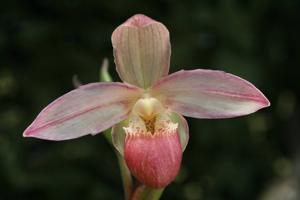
[88,109]
[183,129]
[141,50]
[209,94]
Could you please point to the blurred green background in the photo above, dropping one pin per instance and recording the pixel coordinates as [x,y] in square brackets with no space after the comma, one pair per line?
[44,43]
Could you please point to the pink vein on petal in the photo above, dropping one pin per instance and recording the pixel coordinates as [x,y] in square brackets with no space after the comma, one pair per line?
[256,98]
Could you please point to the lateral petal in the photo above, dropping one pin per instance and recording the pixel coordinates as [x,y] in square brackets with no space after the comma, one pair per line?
[88,109]
[209,94]
[141,50]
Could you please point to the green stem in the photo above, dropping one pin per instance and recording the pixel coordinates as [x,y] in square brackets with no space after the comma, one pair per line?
[126,176]
[125,173]
[107,135]
[146,193]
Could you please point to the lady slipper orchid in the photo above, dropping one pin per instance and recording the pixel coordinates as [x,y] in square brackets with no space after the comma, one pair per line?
[146,109]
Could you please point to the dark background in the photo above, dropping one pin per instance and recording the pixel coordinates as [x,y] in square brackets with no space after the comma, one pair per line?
[44,43]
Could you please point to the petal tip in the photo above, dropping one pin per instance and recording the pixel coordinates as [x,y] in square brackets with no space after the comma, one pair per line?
[262,99]
[139,20]
[29,132]
[265,102]
[25,134]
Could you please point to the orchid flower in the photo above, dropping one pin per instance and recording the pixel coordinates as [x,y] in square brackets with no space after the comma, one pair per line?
[146,110]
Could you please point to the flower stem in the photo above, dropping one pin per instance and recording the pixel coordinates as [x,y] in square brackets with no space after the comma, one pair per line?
[146,193]
[126,176]
[125,173]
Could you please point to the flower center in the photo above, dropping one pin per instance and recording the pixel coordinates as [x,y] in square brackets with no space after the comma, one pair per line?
[147,108]
[149,118]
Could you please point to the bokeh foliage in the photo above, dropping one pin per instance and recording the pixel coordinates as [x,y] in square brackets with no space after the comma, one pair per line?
[44,43]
